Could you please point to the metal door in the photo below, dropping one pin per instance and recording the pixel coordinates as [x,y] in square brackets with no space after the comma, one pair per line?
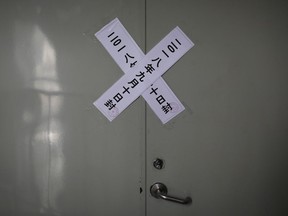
[228,150]
[58,154]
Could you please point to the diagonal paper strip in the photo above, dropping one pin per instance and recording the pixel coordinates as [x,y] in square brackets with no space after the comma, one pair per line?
[127,54]
[130,86]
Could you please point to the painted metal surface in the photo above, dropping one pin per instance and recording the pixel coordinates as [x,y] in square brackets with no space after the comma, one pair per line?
[228,150]
[58,154]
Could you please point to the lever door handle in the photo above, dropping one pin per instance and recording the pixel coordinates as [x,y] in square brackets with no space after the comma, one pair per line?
[160,191]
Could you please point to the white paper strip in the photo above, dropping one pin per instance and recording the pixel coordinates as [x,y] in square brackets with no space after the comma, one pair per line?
[120,45]
[126,54]
[141,76]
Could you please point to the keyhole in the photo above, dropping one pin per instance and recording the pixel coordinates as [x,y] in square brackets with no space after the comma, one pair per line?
[158,163]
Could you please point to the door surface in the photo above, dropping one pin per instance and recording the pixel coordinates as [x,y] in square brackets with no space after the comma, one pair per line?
[58,154]
[228,150]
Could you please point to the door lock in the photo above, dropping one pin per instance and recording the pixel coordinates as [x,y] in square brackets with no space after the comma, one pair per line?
[158,163]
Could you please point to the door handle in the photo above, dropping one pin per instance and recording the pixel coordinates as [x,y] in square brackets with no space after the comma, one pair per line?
[160,191]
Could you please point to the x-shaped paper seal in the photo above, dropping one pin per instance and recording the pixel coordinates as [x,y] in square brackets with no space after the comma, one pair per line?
[142,73]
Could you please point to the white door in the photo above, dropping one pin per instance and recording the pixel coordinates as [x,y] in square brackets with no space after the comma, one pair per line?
[58,154]
[228,150]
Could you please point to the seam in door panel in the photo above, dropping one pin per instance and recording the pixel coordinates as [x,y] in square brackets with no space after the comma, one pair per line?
[145,110]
